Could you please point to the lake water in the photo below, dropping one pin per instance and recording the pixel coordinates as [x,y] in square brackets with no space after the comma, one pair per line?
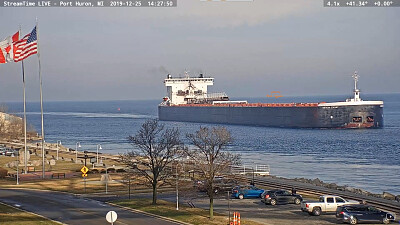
[368,158]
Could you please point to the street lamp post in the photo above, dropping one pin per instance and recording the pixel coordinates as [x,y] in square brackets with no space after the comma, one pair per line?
[177,195]
[106,180]
[78,145]
[58,146]
[229,208]
[98,147]
[17,172]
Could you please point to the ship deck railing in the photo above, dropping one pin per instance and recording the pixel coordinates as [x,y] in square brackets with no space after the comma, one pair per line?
[251,105]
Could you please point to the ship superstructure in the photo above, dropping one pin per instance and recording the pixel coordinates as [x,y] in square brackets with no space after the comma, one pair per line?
[191,90]
[188,100]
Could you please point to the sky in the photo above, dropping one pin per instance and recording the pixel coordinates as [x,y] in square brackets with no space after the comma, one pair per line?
[297,47]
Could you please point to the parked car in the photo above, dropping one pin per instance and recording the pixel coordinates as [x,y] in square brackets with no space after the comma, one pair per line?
[354,214]
[221,185]
[326,203]
[246,191]
[274,197]
[2,151]
[10,152]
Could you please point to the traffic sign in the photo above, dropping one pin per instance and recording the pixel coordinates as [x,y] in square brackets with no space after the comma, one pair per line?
[84,174]
[84,170]
[111,217]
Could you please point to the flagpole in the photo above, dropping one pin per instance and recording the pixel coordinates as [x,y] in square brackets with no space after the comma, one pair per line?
[25,152]
[41,98]
[23,81]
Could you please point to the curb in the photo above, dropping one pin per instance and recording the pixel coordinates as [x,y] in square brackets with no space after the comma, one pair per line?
[33,189]
[150,214]
[55,221]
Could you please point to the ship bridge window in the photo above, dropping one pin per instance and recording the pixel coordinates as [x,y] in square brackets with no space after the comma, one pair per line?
[357,119]
[370,119]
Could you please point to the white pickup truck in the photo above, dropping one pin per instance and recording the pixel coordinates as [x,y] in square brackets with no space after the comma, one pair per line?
[326,203]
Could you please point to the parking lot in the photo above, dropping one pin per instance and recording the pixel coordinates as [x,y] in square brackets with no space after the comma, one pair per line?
[254,209]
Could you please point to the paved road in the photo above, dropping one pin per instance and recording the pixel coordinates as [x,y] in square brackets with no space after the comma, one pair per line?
[71,209]
[251,209]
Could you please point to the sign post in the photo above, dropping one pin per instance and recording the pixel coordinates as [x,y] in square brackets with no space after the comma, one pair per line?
[84,171]
[111,217]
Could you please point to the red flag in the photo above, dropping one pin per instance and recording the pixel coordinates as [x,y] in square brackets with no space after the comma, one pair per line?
[6,48]
[2,57]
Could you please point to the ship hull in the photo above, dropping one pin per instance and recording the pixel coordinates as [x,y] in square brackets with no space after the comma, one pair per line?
[349,116]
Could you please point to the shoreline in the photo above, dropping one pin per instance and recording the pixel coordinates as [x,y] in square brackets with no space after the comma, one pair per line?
[52,147]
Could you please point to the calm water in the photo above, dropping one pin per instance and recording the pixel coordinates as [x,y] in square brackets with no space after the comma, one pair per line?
[368,159]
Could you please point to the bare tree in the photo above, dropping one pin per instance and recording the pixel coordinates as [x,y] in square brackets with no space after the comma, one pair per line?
[210,157]
[155,149]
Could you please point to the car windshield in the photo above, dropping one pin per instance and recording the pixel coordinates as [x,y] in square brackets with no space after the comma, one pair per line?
[357,209]
[321,199]
[372,209]
[340,200]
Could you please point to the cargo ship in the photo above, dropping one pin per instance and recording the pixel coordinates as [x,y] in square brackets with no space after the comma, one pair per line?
[188,100]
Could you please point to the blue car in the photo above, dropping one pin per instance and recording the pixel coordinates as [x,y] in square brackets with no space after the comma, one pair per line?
[247,191]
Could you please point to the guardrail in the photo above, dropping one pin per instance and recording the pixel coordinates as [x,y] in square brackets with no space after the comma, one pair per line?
[259,170]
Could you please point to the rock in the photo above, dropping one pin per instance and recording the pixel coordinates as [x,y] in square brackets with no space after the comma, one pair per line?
[11,164]
[349,189]
[332,186]
[377,195]
[36,163]
[317,182]
[364,192]
[397,198]
[105,177]
[3,172]
[52,162]
[22,156]
[341,188]
[389,196]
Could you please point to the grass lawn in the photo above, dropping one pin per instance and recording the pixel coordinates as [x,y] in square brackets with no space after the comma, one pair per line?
[185,214]
[13,216]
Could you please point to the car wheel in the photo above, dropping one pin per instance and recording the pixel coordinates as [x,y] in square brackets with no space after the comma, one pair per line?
[297,201]
[241,196]
[353,220]
[385,220]
[273,202]
[316,211]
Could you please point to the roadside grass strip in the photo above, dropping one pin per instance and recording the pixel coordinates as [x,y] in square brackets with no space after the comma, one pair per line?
[185,214]
[10,215]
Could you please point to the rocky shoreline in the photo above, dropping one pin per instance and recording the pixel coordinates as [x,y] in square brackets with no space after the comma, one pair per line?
[334,186]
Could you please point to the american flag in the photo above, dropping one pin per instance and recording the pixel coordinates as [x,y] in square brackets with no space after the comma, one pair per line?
[25,47]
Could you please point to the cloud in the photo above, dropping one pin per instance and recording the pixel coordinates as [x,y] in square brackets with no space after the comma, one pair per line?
[232,14]
[209,14]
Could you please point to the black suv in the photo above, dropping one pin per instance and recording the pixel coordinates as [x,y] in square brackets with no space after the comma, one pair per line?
[221,185]
[274,197]
[354,214]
